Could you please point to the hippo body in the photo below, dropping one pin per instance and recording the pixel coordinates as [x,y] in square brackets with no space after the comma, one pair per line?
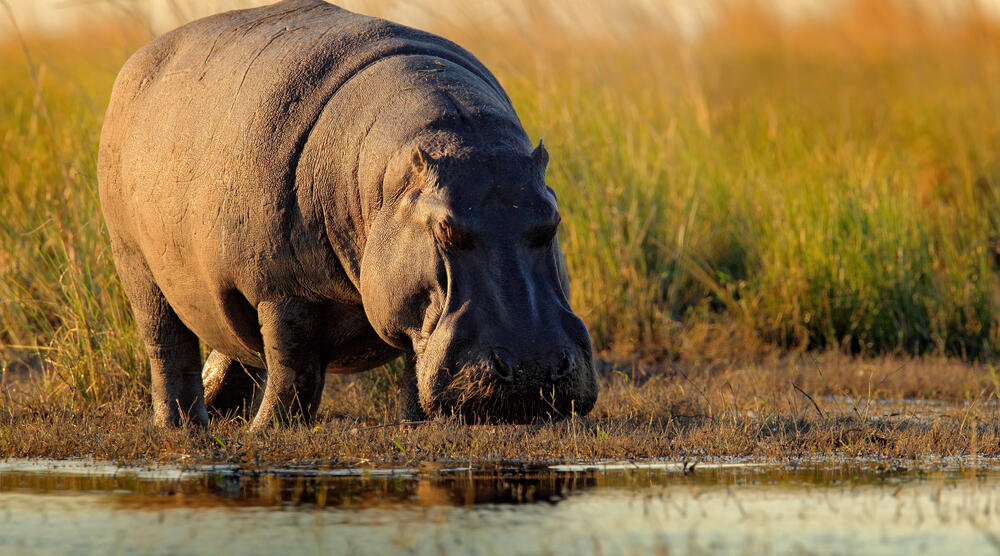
[288,184]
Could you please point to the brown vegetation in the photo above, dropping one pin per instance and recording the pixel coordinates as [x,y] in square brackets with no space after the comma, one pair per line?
[768,407]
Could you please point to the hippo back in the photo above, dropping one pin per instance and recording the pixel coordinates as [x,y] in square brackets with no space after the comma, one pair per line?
[236,149]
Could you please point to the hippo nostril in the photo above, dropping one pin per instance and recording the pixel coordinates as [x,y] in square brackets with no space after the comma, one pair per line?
[562,371]
[502,366]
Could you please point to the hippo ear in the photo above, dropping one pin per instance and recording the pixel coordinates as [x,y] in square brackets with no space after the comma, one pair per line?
[420,161]
[540,156]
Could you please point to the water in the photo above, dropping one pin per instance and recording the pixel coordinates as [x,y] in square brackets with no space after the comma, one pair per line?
[609,508]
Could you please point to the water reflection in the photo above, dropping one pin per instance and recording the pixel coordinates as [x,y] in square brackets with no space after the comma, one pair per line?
[861,508]
[354,488]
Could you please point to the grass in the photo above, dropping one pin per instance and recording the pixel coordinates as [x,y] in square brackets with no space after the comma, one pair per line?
[689,411]
[822,190]
[769,187]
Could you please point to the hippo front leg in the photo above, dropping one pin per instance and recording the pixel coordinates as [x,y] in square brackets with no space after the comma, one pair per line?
[295,372]
[409,396]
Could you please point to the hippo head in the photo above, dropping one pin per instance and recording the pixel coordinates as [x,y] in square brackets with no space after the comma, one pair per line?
[463,265]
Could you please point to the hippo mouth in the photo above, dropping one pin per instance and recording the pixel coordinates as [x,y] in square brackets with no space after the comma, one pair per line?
[476,394]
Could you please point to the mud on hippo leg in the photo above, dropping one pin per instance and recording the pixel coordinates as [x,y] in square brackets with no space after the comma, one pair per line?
[409,398]
[232,388]
[295,374]
[173,350]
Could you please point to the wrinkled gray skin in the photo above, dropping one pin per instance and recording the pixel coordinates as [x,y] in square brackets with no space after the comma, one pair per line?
[305,189]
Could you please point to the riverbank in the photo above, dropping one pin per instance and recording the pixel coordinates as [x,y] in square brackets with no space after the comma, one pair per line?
[779,406]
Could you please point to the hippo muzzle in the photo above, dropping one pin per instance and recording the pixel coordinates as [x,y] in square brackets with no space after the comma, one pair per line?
[528,373]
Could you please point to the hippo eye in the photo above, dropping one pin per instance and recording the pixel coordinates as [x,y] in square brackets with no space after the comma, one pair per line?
[543,235]
[447,235]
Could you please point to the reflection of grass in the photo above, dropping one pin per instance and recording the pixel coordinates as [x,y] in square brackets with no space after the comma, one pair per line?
[806,185]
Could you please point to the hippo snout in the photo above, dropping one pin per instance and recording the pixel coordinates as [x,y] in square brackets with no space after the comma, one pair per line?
[507,369]
[495,385]
[503,366]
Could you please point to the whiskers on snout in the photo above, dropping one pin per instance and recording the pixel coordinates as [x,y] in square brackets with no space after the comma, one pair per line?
[495,388]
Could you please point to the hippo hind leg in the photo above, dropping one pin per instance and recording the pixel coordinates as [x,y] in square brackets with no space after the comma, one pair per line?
[173,350]
[232,388]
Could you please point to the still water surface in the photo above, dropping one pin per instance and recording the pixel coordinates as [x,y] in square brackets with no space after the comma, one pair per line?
[857,508]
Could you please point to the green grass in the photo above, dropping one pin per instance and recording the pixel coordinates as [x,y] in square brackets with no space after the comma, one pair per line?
[59,295]
[824,185]
[810,185]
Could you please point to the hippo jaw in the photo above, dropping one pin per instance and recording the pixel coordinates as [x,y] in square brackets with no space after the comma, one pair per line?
[492,387]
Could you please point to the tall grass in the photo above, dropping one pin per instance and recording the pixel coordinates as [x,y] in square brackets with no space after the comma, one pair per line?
[816,183]
[59,295]
[826,182]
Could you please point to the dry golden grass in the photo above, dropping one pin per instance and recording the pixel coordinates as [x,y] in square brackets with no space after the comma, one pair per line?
[771,407]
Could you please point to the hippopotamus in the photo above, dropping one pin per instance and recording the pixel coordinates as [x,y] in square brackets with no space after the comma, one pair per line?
[307,190]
